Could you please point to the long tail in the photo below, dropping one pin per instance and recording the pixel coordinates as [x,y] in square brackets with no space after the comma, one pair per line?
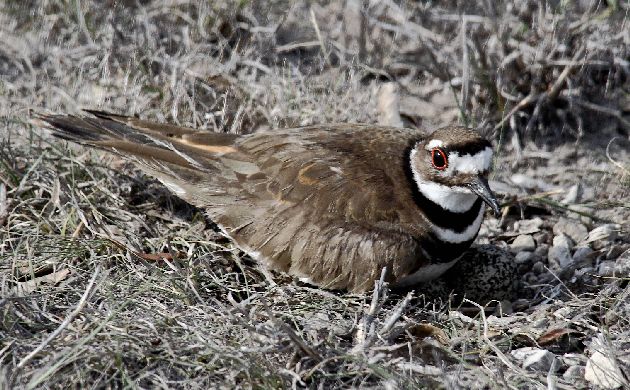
[186,160]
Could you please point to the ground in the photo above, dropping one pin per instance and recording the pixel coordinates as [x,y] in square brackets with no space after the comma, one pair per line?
[108,280]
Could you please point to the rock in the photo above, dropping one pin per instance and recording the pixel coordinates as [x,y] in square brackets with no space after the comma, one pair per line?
[528,226]
[543,237]
[524,257]
[603,371]
[606,232]
[606,268]
[574,229]
[521,243]
[622,265]
[615,251]
[534,358]
[583,254]
[573,372]
[574,194]
[581,213]
[538,268]
[530,278]
[542,250]
[560,253]
[573,359]
[503,308]
[563,240]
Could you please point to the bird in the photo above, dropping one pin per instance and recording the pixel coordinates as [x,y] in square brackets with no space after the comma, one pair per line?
[330,204]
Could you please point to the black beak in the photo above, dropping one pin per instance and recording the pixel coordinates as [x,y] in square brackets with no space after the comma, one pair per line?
[479,186]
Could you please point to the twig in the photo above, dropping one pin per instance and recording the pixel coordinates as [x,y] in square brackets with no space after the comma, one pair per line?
[605,110]
[492,346]
[555,89]
[66,321]
[296,45]
[527,100]
[615,163]
[319,36]
[396,314]
[297,340]
[465,98]
[365,333]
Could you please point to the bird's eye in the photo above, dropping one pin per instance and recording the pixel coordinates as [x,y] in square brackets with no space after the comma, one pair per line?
[438,159]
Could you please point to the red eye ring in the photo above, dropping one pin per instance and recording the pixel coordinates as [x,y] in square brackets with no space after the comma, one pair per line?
[439,159]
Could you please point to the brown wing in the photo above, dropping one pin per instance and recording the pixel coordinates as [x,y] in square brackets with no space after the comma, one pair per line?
[333,204]
[325,203]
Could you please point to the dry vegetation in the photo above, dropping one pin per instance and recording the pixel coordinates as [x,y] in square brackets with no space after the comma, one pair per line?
[107,280]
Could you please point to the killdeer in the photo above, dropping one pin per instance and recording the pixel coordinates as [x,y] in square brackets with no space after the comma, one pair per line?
[330,204]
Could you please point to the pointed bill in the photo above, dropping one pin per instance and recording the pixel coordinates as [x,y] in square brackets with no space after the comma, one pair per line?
[480,186]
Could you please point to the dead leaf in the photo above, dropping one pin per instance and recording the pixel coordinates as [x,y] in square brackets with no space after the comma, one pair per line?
[23,289]
[428,330]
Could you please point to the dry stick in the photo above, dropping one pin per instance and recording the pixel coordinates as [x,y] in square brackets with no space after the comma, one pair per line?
[3,201]
[297,340]
[319,36]
[66,321]
[605,110]
[555,89]
[465,70]
[396,314]
[551,95]
[366,332]
[527,100]
[616,163]
[492,346]
[296,45]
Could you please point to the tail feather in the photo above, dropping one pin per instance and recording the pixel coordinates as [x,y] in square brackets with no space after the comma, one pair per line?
[176,151]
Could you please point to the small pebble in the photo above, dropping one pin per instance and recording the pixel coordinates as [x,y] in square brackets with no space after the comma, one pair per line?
[572,228]
[542,250]
[521,243]
[602,371]
[559,255]
[543,237]
[538,268]
[528,225]
[574,194]
[606,268]
[573,372]
[581,215]
[524,257]
[601,234]
[563,240]
[530,278]
[622,265]
[582,254]
[535,359]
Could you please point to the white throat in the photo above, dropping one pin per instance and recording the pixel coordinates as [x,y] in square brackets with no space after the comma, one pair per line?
[453,199]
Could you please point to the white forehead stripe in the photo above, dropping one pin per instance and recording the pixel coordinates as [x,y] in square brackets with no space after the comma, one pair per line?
[434,143]
[478,162]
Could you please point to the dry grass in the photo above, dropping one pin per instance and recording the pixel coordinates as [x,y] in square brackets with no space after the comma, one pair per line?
[107,280]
